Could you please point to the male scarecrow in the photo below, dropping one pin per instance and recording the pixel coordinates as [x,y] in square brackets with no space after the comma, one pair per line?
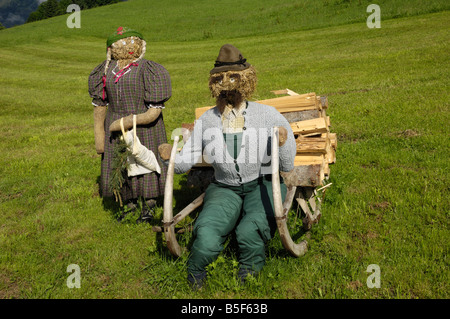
[123,85]
[233,136]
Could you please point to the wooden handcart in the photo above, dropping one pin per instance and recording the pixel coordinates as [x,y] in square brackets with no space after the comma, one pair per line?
[306,183]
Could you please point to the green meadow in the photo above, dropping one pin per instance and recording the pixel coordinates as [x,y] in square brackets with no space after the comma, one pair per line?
[387,90]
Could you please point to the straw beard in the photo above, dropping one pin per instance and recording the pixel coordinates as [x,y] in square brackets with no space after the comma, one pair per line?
[232,97]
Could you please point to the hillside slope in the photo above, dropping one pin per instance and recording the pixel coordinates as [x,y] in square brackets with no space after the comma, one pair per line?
[388,95]
[173,20]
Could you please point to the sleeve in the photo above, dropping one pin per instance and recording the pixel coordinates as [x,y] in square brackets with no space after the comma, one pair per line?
[157,84]
[289,149]
[192,151]
[95,82]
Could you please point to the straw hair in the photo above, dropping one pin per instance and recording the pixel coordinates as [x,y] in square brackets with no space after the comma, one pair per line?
[120,52]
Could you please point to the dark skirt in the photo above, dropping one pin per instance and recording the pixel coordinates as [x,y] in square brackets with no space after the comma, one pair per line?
[147,185]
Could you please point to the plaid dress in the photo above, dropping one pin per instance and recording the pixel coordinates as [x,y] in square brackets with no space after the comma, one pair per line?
[145,84]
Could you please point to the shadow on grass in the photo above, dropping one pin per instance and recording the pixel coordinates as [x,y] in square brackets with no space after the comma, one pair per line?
[183,197]
[109,203]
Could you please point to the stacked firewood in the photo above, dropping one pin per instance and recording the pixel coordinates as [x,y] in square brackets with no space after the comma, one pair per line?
[316,145]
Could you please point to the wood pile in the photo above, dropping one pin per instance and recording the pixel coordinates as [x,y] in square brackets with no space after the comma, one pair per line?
[316,145]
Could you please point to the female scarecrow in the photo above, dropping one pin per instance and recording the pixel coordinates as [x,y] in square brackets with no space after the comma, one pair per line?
[234,137]
[126,84]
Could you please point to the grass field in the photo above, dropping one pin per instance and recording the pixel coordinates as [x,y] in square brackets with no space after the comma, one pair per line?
[388,94]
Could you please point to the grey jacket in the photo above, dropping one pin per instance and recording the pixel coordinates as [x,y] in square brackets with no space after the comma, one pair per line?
[254,157]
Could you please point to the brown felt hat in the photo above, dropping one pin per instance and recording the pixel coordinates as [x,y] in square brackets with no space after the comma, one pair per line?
[229,59]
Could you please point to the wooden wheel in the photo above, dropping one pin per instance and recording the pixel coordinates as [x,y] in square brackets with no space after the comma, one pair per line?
[281,210]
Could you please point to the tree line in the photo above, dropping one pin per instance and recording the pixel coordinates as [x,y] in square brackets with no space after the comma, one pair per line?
[52,8]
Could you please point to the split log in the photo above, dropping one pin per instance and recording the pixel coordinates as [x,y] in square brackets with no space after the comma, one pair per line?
[285,91]
[297,116]
[309,159]
[301,102]
[314,126]
[330,154]
[326,170]
[312,145]
[333,140]
[304,176]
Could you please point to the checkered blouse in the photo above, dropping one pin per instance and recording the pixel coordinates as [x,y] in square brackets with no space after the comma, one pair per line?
[132,91]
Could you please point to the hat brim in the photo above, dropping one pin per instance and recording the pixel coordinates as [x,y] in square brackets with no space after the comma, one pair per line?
[231,67]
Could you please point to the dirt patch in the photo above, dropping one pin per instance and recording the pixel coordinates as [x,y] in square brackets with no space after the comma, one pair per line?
[347,92]
[294,293]
[371,235]
[354,285]
[346,138]
[9,289]
[40,225]
[7,197]
[408,133]
[95,194]
[380,206]
[364,237]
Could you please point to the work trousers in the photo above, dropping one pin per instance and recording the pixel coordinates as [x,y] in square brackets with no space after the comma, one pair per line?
[247,210]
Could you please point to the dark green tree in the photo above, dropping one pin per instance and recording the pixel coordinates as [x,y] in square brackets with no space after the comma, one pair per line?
[52,8]
[39,14]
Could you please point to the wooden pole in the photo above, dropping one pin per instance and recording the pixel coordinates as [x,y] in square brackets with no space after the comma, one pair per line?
[296,250]
[169,228]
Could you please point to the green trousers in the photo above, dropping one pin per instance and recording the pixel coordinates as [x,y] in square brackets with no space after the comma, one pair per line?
[247,210]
